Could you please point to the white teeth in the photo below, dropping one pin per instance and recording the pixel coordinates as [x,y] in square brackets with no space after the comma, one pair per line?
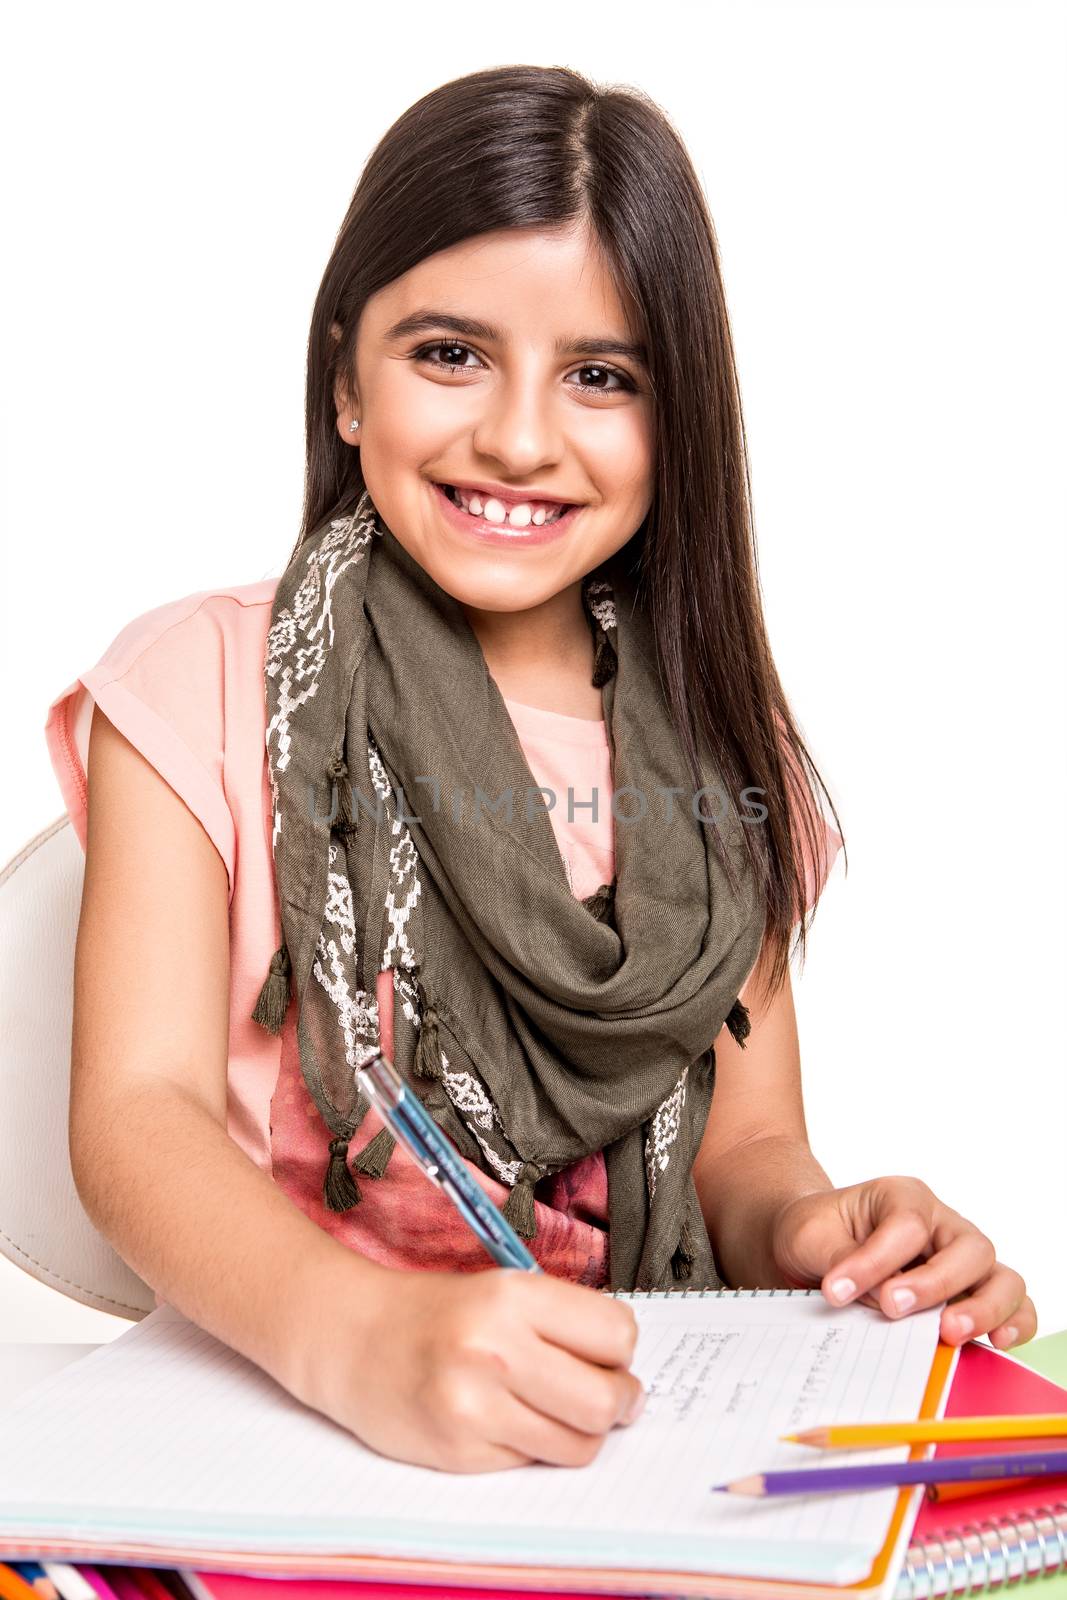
[497,513]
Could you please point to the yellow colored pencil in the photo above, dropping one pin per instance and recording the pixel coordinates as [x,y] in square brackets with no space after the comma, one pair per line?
[1046,1425]
[14,1587]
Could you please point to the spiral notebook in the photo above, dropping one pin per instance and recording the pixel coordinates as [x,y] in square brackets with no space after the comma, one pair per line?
[955,1546]
[992,1537]
[166,1447]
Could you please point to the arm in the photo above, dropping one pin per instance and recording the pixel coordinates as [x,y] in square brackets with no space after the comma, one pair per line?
[754,1157]
[467,1371]
[152,1161]
[758,1182]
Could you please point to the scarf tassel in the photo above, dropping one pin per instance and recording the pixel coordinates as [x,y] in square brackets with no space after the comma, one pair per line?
[374,1157]
[600,901]
[684,1254]
[518,1208]
[605,661]
[340,1191]
[428,1047]
[274,996]
[337,773]
[738,1023]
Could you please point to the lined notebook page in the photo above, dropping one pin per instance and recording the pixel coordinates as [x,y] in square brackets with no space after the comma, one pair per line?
[168,1434]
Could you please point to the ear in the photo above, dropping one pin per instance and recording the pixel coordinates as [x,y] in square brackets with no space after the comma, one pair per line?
[342,400]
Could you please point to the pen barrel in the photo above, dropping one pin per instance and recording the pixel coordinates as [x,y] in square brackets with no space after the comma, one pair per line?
[410,1123]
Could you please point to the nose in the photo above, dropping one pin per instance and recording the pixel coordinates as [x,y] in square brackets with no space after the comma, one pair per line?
[519,427]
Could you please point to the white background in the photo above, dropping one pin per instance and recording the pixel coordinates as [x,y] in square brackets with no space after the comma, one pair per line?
[887,183]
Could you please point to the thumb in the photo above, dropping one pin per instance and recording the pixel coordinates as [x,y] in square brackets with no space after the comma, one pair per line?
[815,1238]
[634,1403]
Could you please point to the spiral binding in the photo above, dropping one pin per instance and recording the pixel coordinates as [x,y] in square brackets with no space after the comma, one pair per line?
[993,1560]
[704,1294]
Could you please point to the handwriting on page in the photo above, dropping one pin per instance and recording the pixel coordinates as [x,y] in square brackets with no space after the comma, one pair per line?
[187,1433]
[687,1372]
[683,1375]
[758,1380]
[819,1376]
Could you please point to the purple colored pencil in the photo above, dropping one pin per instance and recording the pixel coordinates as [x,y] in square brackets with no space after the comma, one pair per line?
[888,1474]
[124,1583]
[96,1580]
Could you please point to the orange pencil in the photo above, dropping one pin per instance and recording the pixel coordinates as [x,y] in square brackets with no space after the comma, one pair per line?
[1046,1425]
[12,1587]
[963,1490]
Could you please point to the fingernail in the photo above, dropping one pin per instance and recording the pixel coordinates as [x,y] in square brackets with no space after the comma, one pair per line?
[965,1325]
[637,1408]
[904,1299]
[1010,1335]
[842,1289]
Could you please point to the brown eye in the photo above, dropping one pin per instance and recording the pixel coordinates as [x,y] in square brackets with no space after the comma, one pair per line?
[454,356]
[625,385]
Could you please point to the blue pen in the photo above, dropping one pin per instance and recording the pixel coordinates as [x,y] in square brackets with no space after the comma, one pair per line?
[409,1122]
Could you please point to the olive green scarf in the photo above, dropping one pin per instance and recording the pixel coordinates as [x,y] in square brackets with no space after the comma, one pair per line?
[537,1028]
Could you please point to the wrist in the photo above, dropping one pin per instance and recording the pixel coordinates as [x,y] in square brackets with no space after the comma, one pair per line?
[753,1190]
[335,1294]
[807,1178]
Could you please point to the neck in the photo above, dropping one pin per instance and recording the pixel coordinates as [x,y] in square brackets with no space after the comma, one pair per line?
[542,656]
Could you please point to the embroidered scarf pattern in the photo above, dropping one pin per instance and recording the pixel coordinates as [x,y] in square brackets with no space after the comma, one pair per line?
[410,835]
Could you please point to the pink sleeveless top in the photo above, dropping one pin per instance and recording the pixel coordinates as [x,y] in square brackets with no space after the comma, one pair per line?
[184,684]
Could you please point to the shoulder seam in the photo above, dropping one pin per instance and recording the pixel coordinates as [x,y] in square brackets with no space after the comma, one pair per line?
[204,597]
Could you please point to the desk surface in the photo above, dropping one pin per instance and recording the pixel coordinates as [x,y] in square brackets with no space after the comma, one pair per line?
[22,1365]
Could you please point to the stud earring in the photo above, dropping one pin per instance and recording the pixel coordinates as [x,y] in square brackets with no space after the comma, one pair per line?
[352,426]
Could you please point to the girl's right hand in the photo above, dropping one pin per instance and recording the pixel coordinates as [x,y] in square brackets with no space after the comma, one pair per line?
[471,1372]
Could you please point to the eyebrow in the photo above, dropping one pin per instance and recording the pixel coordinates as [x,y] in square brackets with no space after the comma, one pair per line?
[425,320]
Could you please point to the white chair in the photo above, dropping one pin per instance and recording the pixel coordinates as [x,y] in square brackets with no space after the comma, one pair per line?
[43,1226]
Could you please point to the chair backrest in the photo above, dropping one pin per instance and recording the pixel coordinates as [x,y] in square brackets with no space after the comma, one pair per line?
[43,1225]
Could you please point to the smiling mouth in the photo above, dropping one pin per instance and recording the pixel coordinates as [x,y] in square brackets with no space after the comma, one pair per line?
[535,513]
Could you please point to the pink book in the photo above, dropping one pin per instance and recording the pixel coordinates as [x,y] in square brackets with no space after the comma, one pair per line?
[989,1384]
[233,1586]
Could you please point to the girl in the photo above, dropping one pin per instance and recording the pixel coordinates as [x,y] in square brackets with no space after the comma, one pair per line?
[498,777]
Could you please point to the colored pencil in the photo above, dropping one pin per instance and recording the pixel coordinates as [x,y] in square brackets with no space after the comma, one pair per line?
[125,1583]
[97,1581]
[174,1584]
[964,1490]
[888,1474]
[12,1587]
[33,1573]
[149,1583]
[1038,1426]
[69,1581]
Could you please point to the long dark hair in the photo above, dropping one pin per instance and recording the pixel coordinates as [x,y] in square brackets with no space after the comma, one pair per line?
[526,146]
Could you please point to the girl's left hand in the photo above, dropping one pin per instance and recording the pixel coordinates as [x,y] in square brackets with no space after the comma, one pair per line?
[893,1235]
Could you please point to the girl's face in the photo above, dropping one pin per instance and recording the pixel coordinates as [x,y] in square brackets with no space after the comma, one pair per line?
[505,366]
